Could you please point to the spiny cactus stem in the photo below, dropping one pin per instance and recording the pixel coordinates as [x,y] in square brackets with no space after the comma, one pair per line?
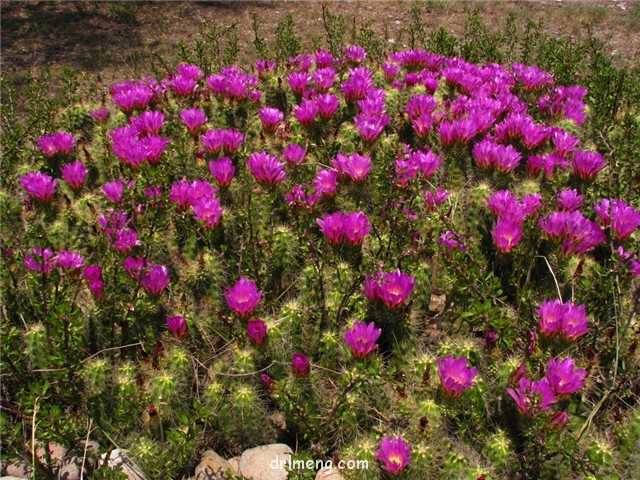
[351,290]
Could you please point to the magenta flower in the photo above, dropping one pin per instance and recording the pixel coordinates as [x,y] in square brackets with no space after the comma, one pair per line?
[151,191]
[298,81]
[132,96]
[355,226]
[149,122]
[207,210]
[227,139]
[331,227]
[270,118]
[177,326]
[564,143]
[93,275]
[112,191]
[243,297]
[394,453]
[550,313]
[155,280]
[371,126]
[39,186]
[306,112]
[532,78]
[257,331]
[569,200]
[125,240]
[323,78]
[506,234]
[213,140]
[189,70]
[625,219]
[183,86]
[358,84]
[558,420]
[100,115]
[155,146]
[222,171]
[455,376]
[294,154]
[231,140]
[422,125]
[425,161]
[586,165]
[355,53]
[56,143]
[563,378]
[300,365]
[327,104]
[390,71]
[392,289]
[323,58]
[356,166]
[264,66]
[361,338]
[199,190]
[266,168]
[194,119]
[69,260]
[506,206]
[268,382]
[574,322]
[419,105]
[433,199]
[74,174]
[40,261]
[113,220]
[135,267]
[326,182]
[532,397]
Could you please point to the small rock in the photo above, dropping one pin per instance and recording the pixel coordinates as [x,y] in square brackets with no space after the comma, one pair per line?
[56,454]
[19,470]
[328,473]
[212,467]
[267,462]
[277,420]
[235,465]
[118,460]
[437,303]
[72,468]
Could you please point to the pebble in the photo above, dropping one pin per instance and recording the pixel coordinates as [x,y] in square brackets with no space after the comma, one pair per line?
[212,467]
[328,473]
[267,462]
[119,460]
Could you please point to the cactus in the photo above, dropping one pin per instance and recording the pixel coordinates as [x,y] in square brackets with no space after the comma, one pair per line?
[35,339]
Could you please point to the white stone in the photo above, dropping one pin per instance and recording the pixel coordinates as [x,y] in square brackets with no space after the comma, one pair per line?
[328,473]
[118,460]
[267,462]
[212,465]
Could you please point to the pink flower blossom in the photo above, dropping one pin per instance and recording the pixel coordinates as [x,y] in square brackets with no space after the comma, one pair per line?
[39,186]
[455,376]
[74,174]
[243,297]
[177,326]
[266,168]
[257,331]
[395,454]
[300,365]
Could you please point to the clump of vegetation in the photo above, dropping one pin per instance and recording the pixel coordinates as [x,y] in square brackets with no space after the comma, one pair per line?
[426,258]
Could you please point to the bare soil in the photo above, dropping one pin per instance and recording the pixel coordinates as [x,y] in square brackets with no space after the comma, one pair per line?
[116,40]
